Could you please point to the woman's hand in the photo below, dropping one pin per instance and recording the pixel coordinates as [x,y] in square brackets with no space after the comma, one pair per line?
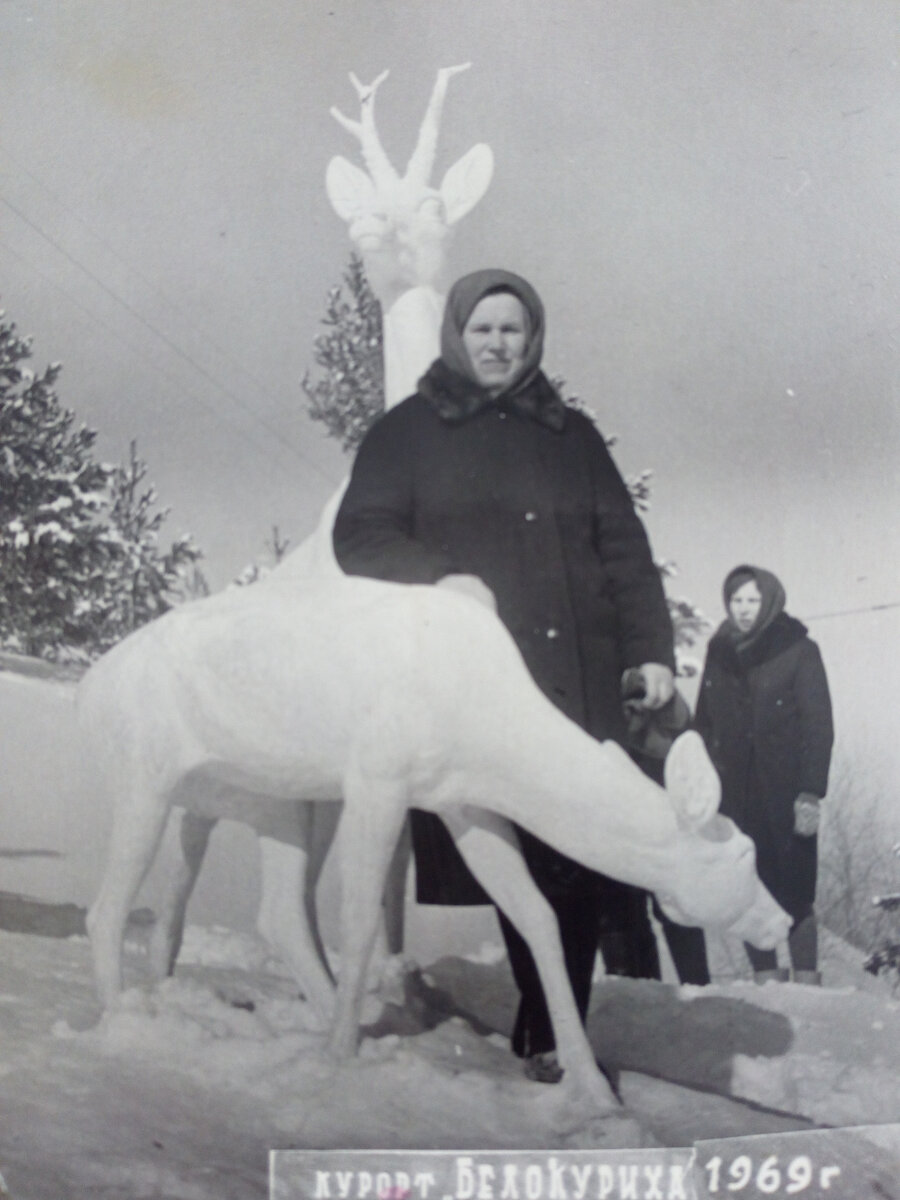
[471,586]
[659,684]
[806,814]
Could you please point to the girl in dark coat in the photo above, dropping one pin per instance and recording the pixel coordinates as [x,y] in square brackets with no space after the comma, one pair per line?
[486,482]
[764,711]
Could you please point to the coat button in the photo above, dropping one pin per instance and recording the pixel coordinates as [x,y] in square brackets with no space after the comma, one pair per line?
[530,516]
[502,415]
[552,632]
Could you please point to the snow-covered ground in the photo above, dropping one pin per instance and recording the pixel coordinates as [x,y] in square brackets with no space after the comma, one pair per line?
[183,1092]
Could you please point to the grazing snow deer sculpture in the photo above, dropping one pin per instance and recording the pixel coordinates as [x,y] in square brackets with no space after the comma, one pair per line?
[389,695]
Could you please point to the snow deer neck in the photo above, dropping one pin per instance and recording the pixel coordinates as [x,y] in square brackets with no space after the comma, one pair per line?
[401,227]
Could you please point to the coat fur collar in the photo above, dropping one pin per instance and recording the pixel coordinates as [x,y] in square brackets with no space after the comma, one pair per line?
[784,632]
[456,399]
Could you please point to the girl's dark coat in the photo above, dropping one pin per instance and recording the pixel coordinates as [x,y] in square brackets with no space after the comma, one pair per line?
[765,715]
[526,496]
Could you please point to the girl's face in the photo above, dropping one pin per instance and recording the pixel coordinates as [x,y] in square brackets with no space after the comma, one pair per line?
[496,338]
[744,605]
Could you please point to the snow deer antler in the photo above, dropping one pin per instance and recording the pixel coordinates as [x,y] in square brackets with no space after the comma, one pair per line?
[364,129]
[381,204]
[421,162]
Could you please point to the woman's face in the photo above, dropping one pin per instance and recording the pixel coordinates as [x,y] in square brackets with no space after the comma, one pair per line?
[496,339]
[744,605]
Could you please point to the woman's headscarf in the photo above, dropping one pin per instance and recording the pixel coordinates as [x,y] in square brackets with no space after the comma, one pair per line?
[462,299]
[773,600]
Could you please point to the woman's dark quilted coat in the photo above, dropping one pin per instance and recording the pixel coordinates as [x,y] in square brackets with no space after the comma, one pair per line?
[523,494]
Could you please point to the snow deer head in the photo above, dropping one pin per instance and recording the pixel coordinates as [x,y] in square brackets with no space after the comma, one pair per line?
[401,224]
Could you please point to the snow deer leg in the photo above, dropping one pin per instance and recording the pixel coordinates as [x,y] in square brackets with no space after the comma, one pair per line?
[324,819]
[395,891]
[489,845]
[168,930]
[374,812]
[138,823]
[293,847]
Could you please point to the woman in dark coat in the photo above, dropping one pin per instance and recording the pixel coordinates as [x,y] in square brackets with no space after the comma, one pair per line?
[764,711]
[486,482]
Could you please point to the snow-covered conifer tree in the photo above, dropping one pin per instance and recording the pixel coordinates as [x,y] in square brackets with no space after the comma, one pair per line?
[349,394]
[142,578]
[52,492]
[79,544]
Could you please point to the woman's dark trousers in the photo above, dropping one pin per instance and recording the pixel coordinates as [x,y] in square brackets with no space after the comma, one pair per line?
[579,926]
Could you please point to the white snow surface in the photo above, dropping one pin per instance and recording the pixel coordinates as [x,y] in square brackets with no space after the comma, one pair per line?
[183,1091]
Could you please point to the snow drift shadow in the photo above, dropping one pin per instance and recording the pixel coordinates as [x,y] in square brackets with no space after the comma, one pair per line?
[704,1034]
[25,914]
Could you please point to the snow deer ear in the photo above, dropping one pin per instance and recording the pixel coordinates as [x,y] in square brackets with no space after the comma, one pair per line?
[349,189]
[692,783]
[466,182]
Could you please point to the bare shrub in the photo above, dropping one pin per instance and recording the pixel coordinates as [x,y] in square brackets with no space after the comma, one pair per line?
[856,859]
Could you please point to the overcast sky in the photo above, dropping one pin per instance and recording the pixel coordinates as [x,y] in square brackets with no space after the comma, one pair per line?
[706,193]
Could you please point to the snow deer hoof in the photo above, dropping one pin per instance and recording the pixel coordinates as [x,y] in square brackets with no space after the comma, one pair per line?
[343,1045]
[162,953]
[588,1087]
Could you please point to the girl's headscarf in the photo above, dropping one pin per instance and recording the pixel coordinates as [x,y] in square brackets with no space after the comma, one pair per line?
[771,605]
[462,299]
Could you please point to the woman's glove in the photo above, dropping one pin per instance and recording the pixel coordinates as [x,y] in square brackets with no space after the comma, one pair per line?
[806,814]
[659,685]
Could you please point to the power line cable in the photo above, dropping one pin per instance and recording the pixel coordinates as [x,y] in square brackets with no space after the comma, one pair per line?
[853,612]
[182,390]
[183,314]
[278,435]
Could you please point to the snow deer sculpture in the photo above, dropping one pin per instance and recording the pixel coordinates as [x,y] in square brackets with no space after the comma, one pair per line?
[401,226]
[389,695]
